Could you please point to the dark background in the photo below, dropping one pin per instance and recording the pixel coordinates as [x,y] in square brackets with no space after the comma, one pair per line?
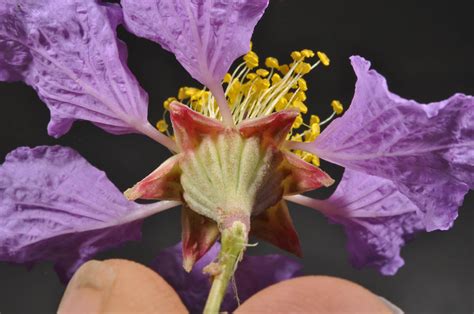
[425,50]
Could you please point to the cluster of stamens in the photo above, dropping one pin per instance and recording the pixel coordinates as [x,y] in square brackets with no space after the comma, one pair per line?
[254,92]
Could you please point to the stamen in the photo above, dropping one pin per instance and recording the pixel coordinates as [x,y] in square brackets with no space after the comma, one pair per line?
[162,126]
[337,107]
[323,58]
[253,92]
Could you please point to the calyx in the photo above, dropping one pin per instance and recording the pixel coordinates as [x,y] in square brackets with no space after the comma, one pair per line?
[225,175]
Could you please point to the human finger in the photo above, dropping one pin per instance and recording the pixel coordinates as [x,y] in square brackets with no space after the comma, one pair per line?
[118,286]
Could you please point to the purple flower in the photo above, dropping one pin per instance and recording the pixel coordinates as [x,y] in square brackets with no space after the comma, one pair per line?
[237,149]
[56,206]
[408,167]
[205,36]
[377,218]
[254,274]
[425,150]
[69,53]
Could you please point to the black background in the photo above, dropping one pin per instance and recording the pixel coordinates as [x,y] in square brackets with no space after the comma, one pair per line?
[425,50]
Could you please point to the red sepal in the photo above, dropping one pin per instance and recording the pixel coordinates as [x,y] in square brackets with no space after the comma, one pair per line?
[275,226]
[271,129]
[304,176]
[190,127]
[163,183]
[199,234]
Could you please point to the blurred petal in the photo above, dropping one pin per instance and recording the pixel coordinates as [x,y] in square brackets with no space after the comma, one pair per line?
[377,218]
[206,36]
[427,151]
[56,206]
[68,51]
[253,274]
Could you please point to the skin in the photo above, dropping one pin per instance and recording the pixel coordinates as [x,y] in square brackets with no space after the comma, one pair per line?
[127,287]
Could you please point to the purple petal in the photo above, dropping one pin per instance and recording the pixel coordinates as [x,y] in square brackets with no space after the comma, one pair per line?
[377,218]
[253,274]
[206,36]
[427,151]
[56,206]
[68,51]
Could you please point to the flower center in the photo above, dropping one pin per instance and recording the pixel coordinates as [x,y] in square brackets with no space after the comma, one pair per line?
[254,92]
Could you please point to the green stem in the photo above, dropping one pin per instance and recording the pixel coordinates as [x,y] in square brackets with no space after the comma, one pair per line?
[234,241]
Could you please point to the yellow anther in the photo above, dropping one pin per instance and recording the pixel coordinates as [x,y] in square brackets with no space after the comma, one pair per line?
[181,93]
[187,92]
[251,59]
[167,102]
[195,95]
[251,76]
[307,157]
[288,96]
[162,126]
[324,58]
[197,107]
[298,122]
[302,84]
[276,78]
[235,88]
[300,96]
[297,138]
[303,68]
[246,87]
[315,161]
[227,78]
[337,107]
[272,63]
[251,45]
[262,84]
[284,68]
[281,104]
[315,129]
[311,134]
[262,72]
[314,119]
[296,55]
[301,107]
[307,53]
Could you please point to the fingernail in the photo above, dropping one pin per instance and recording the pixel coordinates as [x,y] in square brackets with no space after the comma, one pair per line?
[89,289]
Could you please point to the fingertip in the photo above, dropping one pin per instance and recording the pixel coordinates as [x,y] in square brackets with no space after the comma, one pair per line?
[118,286]
[315,294]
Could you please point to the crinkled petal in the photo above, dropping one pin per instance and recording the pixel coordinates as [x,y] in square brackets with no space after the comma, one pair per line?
[253,274]
[68,51]
[427,151]
[56,206]
[206,36]
[377,218]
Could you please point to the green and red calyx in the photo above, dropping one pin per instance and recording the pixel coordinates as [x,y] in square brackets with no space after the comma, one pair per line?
[226,175]
[232,182]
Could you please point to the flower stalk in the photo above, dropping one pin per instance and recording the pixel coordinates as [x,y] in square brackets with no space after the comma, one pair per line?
[234,241]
